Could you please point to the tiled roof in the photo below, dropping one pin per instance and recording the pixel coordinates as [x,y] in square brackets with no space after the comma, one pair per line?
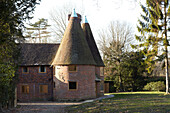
[74,48]
[37,54]
[92,44]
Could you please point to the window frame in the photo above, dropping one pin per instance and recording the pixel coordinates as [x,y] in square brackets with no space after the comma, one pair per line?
[40,69]
[72,89]
[23,70]
[25,91]
[42,91]
[72,70]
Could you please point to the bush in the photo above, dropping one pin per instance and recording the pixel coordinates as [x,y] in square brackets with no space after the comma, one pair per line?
[155,86]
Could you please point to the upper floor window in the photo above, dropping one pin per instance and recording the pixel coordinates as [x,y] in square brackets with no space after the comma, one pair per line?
[25,89]
[42,69]
[72,68]
[25,69]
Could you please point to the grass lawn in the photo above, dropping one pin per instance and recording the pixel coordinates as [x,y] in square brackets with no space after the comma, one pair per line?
[132,102]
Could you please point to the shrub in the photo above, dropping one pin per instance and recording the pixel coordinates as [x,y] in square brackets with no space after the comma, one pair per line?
[155,86]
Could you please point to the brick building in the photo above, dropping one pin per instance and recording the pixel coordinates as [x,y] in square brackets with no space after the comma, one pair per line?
[72,70]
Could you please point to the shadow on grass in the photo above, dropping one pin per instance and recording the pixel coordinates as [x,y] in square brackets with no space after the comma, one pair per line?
[127,102]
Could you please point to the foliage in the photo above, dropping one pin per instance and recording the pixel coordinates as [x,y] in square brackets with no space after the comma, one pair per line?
[38,30]
[153,27]
[132,102]
[123,67]
[12,17]
[133,68]
[155,86]
[114,45]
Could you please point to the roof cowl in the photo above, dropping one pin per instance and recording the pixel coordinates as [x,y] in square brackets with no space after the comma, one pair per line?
[74,49]
[85,20]
[74,14]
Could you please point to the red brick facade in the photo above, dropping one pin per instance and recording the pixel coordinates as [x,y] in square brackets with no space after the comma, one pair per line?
[58,79]
[85,78]
[34,79]
[99,84]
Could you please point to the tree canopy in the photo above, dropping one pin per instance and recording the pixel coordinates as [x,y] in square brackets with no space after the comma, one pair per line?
[123,67]
[12,17]
[37,32]
[153,27]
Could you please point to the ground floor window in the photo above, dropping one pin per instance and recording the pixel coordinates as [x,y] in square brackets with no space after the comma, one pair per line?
[25,89]
[43,88]
[72,85]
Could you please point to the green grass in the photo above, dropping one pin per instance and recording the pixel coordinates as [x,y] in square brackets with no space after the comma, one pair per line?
[132,102]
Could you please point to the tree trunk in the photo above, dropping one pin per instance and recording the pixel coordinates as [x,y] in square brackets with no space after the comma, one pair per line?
[167,75]
[120,81]
[166,51]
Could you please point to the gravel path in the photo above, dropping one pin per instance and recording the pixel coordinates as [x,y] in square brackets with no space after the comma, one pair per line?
[47,107]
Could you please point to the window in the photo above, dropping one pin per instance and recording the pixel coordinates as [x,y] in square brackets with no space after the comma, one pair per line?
[43,88]
[25,69]
[42,69]
[72,85]
[101,86]
[25,89]
[72,68]
[101,71]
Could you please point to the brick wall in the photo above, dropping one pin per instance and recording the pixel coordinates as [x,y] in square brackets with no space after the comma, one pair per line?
[101,83]
[34,79]
[85,78]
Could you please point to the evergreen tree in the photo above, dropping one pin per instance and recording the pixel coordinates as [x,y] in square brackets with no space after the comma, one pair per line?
[153,28]
[38,30]
[133,68]
[12,17]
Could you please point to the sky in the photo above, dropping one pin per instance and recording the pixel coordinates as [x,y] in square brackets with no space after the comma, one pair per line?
[98,12]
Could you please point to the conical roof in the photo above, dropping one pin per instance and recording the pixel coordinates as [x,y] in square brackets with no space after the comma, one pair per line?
[74,48]
[92,44]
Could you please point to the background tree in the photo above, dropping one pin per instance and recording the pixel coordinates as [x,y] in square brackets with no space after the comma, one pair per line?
[12,17]
[38,32]
[114,45]
[154,30]
[133,68]
[59,17]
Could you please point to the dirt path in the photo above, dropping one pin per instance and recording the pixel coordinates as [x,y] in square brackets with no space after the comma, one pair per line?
[48,107]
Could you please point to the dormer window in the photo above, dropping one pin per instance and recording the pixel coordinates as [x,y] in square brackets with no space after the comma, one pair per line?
[25,69]
[72,68]
[42,69]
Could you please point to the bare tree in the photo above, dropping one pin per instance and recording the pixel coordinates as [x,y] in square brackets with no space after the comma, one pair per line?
[117,33]
[59,17]
[114,43]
